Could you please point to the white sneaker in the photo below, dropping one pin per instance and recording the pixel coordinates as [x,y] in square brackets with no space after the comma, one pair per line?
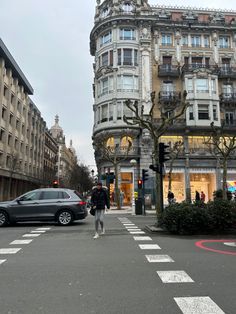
[103,231]
[96,236]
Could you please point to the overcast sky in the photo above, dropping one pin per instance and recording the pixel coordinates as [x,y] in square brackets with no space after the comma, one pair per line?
[49,39]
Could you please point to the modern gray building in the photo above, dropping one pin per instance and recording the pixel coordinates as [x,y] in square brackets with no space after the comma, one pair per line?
[140,48]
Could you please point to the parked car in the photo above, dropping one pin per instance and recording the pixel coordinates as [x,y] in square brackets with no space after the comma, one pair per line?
[48,204]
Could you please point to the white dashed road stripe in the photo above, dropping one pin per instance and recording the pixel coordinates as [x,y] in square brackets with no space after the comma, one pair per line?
[131,227]
[21,242]
[230,243]
[142,239]
[174,276]
[2,261]
[159,258]
[38,231]
[129,224]
[43,228]
[137,232]
[198,305]
[149,247]
[136,229]
[31,235]
[9,251]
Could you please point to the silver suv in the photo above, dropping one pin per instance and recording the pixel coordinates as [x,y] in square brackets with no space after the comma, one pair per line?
[60,205]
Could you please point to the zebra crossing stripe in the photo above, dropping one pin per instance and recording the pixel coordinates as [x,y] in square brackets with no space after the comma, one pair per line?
[38,231]
[43,228]
[137,229]
[136,232]
[142,238]
[159,258]
[149,247]
[174,276]
[31,235]
[20,242]
[2,261]
[198,305]
[9,251]
[131,227]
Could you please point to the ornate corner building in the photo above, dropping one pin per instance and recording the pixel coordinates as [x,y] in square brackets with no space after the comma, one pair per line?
[140,48]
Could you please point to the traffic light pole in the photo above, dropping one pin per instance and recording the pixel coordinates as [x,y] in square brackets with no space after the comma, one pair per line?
[161,188]
[143,198]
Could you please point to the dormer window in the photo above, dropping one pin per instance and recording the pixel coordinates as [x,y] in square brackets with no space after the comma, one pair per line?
[127,7]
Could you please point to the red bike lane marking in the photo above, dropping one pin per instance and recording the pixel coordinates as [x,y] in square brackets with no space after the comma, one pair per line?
[201,245]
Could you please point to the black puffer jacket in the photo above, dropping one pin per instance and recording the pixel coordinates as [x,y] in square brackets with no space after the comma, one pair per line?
[100,199]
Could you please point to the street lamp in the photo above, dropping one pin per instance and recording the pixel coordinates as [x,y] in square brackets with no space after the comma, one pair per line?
[133,162]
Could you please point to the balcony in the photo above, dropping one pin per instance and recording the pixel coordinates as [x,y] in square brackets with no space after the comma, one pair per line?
[227,72]
[228,98]
[229,124]
[120,152]
[168,70]
[169,97]
[189,68]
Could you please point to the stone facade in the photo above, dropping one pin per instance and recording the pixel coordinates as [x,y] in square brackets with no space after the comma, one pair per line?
[140,48]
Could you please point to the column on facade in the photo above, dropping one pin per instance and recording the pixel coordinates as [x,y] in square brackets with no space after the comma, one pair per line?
[146,79]
[156,47]
[215,48]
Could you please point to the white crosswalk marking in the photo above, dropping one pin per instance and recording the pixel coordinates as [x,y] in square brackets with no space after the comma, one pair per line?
[2,261]
[174,276]
[159,258]
[136,232]
[9,251]
[129,224]
[230,244]
[198,305]
[131,227]
[142,238]
[149,247]
[21,242]
[43,228]
[38,231]
[31,235]
[137,229]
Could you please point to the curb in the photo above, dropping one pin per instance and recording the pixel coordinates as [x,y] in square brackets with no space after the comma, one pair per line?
[154,229]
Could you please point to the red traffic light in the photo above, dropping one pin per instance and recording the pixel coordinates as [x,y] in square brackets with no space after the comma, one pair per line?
[140,184]
[55,184]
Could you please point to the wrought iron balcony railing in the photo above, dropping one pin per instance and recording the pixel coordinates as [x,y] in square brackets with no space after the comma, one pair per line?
[227,72]
[169,97]
[168,70]
[228,98]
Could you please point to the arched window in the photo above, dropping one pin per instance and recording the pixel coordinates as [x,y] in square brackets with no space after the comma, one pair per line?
[111,142]
[126,141]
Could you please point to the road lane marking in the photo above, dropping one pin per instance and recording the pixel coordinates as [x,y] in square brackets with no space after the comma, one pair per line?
[2,261]
[149,247]
[131,227]
[129,224]
[136,229]
[198,305]
[43,228]
[159,258]
[201,245]
[230,244]
[142,238]
[136,232]
[174,276]
[21,242]
[9,251]
[38,231]
[31,235]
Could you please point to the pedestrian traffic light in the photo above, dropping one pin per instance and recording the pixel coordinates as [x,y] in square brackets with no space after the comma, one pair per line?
[140,184]
[55,184]
[163,152]
[153,168]
[144,175]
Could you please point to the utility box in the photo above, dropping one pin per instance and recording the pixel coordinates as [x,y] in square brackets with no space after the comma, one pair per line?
[138,206]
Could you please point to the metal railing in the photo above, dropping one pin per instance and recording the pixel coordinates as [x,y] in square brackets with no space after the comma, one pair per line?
[168,70]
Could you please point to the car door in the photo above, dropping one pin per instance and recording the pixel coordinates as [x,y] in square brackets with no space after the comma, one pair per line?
[50,202]
[26,207]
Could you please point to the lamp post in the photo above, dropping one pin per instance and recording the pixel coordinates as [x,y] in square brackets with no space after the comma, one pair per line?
[133,162]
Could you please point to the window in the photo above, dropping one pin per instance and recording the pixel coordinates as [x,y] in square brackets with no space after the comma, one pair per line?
[127,83]
[127,34]
[105,86]
[119,110]
[197,62]
[110,112]
[16,144]
[191,116]
[64,195]
[195,41]
[106,58]
[9,139]
[50,195]
[127,7]
[185,40]
[168,88]
[229,118]
[127,112]
[224,42]
[12,98]
[166,40]
[4,110]
[227,90]
[215,113]
[128,57]
[202,86]
[111,142]
[206,41]
[126,141]
[10,118]
[104,113]
[203,112]
[105,39]
[225,68]
[213,86]
[5,91]
[31,196]
[190,86]
[2,133]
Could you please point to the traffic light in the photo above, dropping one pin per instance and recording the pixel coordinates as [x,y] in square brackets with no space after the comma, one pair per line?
[55,184]
[140,184]
[154,168]
[163,152]
[144,175]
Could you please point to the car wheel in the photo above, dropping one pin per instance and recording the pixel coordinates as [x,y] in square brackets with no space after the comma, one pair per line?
[65,218]
[3,218]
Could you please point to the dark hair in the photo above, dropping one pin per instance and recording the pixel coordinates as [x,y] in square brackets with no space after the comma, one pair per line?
[99,183]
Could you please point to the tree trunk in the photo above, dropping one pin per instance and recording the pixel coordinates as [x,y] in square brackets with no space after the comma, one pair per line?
[170,176]
[224,184]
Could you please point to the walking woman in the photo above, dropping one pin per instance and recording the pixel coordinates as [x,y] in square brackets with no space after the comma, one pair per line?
[99,200]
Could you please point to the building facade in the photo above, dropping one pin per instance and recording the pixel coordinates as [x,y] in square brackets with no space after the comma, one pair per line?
[21,131]
[140,48]
[50,159]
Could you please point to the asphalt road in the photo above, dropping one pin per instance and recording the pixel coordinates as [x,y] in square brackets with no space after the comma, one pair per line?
[65,271]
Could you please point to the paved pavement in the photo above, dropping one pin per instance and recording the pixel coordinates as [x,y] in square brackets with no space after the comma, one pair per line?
[63,270]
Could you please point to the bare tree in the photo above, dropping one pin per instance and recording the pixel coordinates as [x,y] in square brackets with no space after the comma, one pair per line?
[115,155]
[175,151]
[156,130]
[222,146]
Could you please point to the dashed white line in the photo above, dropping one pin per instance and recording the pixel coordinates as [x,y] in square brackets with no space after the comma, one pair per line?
[149,247]
[136,229]
[159,258]
[174,276]
[2,261]
[43,228]
[129,224]
[20,242]
[198,305]
[142,238]
[131,227]
[31,235]
[9,251]
[38,231]
[136,232]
